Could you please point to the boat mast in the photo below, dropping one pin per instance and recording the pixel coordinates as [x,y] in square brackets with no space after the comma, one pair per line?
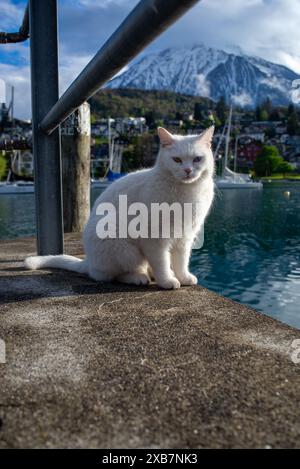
[220,141]
[12,106]
[235,153]
[227,139]
[109,142]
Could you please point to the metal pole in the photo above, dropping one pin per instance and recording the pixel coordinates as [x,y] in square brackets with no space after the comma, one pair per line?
[46,149]
[24,29]
[146,21]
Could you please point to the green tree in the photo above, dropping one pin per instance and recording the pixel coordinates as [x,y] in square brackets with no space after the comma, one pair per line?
[222,109]
[151,116]
[93,118]
[159,123]
[3,166]
[179,116]
[293,124]
[267,106]
[274,115]
[217,121]
[264,116]
[261,114]
[198,111]
[270,133]
[258,113]
[291,109]
[268,161]
[284,167]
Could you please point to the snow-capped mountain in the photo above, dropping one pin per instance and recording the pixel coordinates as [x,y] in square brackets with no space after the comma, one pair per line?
[203,71]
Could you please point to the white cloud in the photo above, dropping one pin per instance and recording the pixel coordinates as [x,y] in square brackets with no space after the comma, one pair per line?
[101,3]
[265,28]
[11,14]
[2,91]
[70,67]
[20,78]
[233,8]
[273,82]
[290,61]
[242,99]
[203,86]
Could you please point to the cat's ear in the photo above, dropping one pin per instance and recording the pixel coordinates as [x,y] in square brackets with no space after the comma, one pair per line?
[165,137]
[207,136]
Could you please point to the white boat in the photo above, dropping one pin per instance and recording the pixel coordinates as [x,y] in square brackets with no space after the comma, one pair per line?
[19,187]
[100,183]
[222,184]
[232,180]
[15,187]
[23,187]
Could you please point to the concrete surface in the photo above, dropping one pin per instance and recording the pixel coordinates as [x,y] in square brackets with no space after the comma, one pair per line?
[95,365]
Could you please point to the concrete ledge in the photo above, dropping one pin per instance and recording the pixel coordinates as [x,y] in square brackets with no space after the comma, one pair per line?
[95,365]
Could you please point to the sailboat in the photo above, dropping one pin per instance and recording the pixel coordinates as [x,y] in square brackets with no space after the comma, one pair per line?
[10,186]
[113,172]
[231,179]
[15,187]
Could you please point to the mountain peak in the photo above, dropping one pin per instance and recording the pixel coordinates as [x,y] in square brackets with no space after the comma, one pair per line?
[204,71]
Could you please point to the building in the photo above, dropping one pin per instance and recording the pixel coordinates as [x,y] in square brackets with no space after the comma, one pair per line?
[22,163]
[247,153]
[4,117]
[119,125]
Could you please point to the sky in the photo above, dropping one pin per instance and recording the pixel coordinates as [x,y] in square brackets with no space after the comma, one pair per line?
[266,28]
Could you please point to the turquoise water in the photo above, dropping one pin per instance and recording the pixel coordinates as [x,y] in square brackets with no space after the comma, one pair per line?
[251,251]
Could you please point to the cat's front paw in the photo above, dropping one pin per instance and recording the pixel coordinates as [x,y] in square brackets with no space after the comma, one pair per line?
[188,279]
[169,283]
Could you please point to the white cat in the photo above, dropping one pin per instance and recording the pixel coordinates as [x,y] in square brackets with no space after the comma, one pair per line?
[183,173]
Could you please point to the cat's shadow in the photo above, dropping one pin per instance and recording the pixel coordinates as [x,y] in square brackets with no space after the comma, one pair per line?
[28,286]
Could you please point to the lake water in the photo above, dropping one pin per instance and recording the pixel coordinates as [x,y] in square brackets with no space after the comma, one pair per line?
[251,251]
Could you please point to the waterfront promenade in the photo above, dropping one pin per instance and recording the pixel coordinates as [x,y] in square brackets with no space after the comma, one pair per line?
[107,365]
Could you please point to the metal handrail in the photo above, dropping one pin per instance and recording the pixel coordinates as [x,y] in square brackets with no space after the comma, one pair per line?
[146,21]
[21,35]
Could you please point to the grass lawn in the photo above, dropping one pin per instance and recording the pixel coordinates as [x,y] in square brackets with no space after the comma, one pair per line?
[279,176]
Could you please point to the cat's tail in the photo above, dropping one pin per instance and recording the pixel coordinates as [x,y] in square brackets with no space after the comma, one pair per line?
[58,262]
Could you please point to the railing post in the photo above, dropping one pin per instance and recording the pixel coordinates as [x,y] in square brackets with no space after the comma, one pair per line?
[46,149]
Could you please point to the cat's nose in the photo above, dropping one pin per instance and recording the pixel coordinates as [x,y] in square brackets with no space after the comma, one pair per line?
[188,170]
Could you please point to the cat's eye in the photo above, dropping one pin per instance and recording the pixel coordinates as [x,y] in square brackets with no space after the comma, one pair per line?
[197,159]
[177,160]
